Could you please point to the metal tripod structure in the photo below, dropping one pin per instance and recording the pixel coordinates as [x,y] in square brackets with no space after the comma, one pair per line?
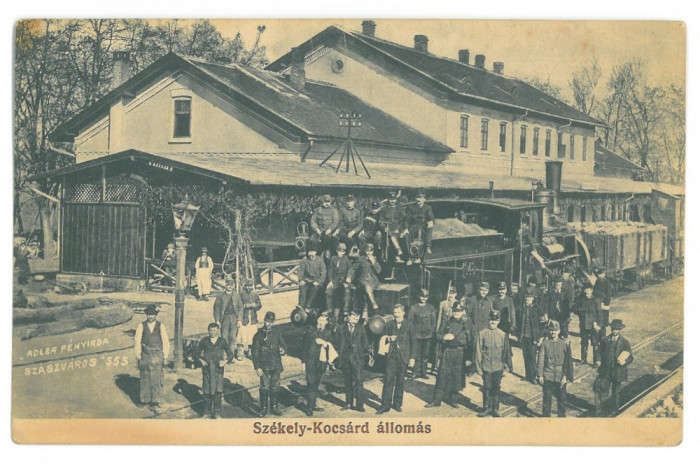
[347,148]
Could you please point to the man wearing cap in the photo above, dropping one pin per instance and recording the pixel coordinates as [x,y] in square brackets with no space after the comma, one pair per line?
[367,276]
[419,221]
[228,311]
[454,335]
[493,355]
[401,355]
[555,369]
[391,219]
[350,223]
[604,291]
[151,347]
[371,232]
[352,347]
[530,333]
[268,349]
[203,267]
[339,280]
[590,322]
[251,304]
[506,308]
[422,318]
[213,353]
[443,314]
[558,306]
[312,274]
[324,223]
[169,258]
[478,309]
[317,339]
[615,356]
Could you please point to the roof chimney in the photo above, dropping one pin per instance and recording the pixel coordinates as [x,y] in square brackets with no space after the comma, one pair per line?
[464,56]
[121,68]
[297,73]
[420,42]
[480,61]
[498,67]
[369,27]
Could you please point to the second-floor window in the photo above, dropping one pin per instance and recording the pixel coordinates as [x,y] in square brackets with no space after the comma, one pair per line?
[572,141]
[536,141]
[484,134]
[523,139]
[464,131]
[561,148]
[583,153]
[502,136]
[183,118]
[548,143]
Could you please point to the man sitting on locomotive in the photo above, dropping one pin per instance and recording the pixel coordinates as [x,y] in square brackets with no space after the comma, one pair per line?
[312,274]
[350,228]
[371,232]
[339,279]
[418,223]
[391,218]
[324,224]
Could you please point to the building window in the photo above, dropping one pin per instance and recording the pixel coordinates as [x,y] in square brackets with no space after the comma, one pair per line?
[502,137]
[548,143]
[583,214]
[484,134]
[561,148]
[570,213]
[536,141]
[571,146]
[523,139]
[183,118]
[583,153]
[464,131]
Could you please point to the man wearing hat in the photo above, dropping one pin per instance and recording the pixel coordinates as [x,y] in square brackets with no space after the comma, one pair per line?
[228,312]
[422,318]
[251,304]
[324,223]
[203,267]
[478,309]
[268,349]
[367,276]
[558,306]
[352,346]
[530,333]
[317,340]
[505,306]
[339,280]
[350,224]
[391,219]
[555,369]
[615,356]
[213,353]
[590,322]
[401,355]
[419,221]
[454,335]
[492,356]
[151,347]
[604,291]
[312,274]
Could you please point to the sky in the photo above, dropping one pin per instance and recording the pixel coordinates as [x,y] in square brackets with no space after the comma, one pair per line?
[546,49]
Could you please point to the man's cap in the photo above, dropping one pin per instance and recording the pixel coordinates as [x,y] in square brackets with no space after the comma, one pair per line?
[327,197]
[529,292]
[248,283]
[369,247]
[311,246]
[356,312]
[398,305]
[323,314]
[452,291]
[484,286]
[171,245]
[532,280]
[420,194]
[587,285]
[375,205]
[457,306]
[554,325]
[494,316]
[543,318]
[212,325]
[205,250]
[599,270]
[270,316]
[617,324]
[342,247]
[391,195]
[502,286]
[424,292]
[151,309]
[350,197]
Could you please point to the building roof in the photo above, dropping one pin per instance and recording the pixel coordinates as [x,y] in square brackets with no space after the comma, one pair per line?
[447,75]
[608,159]
[312,114]
[288,171]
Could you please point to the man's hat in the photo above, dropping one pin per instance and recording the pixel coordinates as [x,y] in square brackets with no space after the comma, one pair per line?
[375,205]
[311,246]
[171,245]
[355,311]
[369,247]
[587,285]
[502,286]
[270,316]
[398,305]
[420,194]
[391,195]
[494,316]
[350,197]
[205,250]
[342,247]
[599,270]
[617,324]
[554,325]
[532,280]
[424,292]
[484,286]
[457,306]
[327,197]
[151,309]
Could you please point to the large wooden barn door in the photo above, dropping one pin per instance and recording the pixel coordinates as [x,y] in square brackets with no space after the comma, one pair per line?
[103,239]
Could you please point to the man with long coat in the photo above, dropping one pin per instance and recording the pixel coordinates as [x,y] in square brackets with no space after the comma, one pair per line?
[615,356]
[479,307]
[530,333]
[492,357]
[228,311]
[455,334]
[591,323]
[317,340]
[401,354]
[213,353]
[352,346]
[422,318]
[558,305]
[505,306]
[312,275]
[268,349]
[555,369]
[152,347]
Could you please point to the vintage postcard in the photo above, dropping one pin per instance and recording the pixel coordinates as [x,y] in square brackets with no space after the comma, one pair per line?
[348,232]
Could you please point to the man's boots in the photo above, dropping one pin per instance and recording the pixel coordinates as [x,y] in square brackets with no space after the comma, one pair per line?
[273,403]
[263,402]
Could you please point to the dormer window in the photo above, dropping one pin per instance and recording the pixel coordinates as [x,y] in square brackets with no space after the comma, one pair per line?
[182,116]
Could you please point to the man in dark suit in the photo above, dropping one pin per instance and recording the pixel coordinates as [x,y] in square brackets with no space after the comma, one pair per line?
[604,291]
[352,347]
[558,306]
[339,279]
[492,357]
[555,368]
[401,338]
[530,333]
[590,320]
[367,277]
[422,317]
[317,338]
[615,356]
[268,349]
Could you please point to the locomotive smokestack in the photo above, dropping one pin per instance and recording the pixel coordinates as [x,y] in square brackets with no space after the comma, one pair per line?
[550,195]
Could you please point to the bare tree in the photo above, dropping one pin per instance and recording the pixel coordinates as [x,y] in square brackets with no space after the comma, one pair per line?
[545,86]
[673,134]
[583,84]
[624,78]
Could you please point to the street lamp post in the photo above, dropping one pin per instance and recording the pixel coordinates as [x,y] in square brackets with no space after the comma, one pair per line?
[184,214]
